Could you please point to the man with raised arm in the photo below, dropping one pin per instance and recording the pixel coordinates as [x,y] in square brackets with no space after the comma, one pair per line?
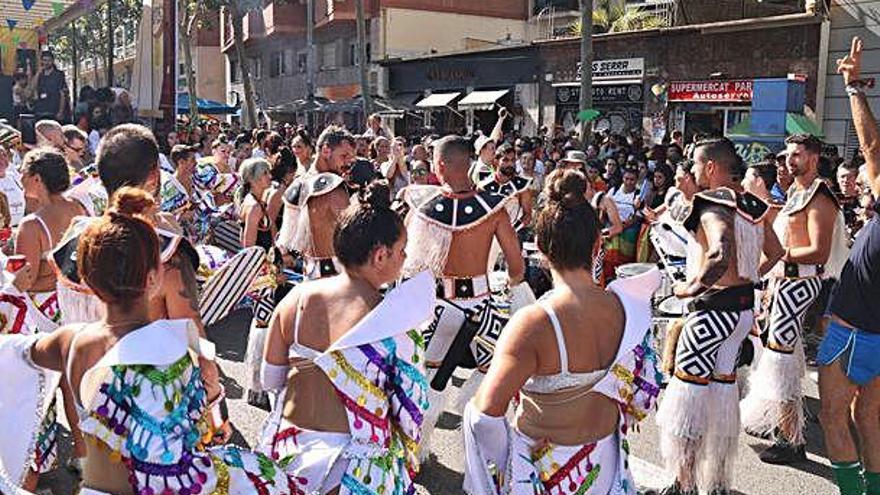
[849,367]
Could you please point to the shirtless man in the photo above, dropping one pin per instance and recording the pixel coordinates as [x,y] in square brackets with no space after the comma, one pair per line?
[451,229]
[314,201]
[129,156]
[806,225]
[697,417]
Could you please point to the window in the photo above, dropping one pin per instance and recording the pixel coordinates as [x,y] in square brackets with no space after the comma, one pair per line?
[556,5]
[302,62]
[278,65]
[328,56]
[256,68]
[353,54]
[234,73]
[734,116]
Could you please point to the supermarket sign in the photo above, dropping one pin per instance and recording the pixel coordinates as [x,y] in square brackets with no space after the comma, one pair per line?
[711,91]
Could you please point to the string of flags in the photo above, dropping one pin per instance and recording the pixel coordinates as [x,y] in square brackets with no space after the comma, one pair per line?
[57,6]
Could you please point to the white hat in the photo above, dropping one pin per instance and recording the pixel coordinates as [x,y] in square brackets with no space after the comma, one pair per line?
[480,143]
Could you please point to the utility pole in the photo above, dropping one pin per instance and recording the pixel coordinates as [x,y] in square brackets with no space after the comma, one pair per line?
[362,58]
[110,43]
[310,64]
[586,100]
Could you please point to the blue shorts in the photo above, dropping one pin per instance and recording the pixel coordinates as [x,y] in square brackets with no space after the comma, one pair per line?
[857,350]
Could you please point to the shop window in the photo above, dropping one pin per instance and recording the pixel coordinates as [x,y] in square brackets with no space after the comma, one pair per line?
[734,116]
[302,62]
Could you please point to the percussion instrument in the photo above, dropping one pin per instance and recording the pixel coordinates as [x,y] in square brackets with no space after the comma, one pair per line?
[670,238]
[632,269]
[672,307]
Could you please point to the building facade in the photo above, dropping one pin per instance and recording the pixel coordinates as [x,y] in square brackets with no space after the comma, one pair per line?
[847,19]
[274,42]
[696,78]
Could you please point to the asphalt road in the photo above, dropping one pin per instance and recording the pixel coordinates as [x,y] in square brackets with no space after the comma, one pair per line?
[442,475]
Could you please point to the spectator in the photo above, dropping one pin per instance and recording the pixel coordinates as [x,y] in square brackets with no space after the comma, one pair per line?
[51,90]
[49,133]
[76,147]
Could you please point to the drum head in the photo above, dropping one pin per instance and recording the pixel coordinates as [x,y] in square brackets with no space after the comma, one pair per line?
[632,269]
[673,306]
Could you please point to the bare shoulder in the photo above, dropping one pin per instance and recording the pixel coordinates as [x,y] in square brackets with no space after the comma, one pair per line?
[714,213]
[526,329]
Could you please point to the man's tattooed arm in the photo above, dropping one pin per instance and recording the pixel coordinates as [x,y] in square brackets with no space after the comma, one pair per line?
[717,225]
[186,288]
[182,302]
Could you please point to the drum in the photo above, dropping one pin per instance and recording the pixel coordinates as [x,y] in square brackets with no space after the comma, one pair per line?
[672,307]
[669,238]
[632,269]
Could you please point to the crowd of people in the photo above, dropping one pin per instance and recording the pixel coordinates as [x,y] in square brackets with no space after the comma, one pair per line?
[377,265]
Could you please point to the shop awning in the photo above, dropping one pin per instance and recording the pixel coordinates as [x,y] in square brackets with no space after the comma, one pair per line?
[437,100]
[205,107]
[481,100]
[795,123]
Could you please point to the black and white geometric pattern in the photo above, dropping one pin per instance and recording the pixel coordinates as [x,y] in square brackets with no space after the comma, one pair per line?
[791,301]
[700,340]
[264,305]
[492,321]
[430,330]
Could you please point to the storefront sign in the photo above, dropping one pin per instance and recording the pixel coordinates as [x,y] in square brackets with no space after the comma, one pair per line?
[616,94]
[711,91]
[617,69]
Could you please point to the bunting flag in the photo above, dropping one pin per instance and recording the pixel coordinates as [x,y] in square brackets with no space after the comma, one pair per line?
[16,40]
[28,4]
[11,23]
[57,8]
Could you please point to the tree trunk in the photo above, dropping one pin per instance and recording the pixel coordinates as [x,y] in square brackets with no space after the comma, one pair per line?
[362,58]
[586,100]
[110,41]
[188,21]
[249,116]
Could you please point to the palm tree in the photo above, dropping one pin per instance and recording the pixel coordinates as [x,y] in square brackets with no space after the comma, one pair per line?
[613,16]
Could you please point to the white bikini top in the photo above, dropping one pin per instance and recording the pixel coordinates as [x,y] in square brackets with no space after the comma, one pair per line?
[47,254]
[297,350]
[565,378]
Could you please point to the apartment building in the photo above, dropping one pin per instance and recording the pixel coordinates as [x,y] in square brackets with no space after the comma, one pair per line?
[275,44]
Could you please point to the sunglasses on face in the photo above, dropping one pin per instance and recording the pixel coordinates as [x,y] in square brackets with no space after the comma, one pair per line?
[419,172]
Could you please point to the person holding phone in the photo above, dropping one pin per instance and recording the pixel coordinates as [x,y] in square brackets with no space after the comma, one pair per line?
[394,169]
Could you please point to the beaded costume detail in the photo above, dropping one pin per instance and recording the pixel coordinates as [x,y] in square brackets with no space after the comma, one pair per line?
[152,419]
